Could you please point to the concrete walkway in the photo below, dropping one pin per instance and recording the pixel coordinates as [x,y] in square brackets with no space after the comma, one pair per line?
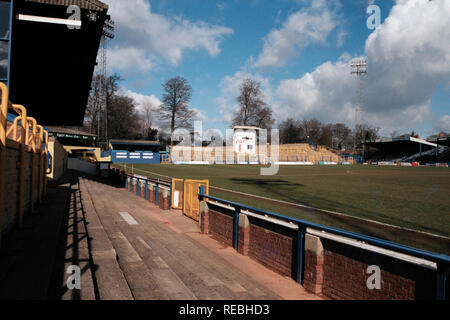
[162,254]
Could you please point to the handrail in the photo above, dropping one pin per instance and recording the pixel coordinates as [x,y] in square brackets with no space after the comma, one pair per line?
[435,257]
[153,180]
[31,138]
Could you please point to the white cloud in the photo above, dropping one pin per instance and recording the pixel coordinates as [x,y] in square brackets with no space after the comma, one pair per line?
[155,102]
[199,115]
[408,56]
[130,59]
[444,123]
[141,99]
[304,27]
[153,36]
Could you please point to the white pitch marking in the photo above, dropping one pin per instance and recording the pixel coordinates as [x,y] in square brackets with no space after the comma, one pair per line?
[128,218]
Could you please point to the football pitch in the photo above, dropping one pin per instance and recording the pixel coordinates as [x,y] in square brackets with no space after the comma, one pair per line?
[415,198]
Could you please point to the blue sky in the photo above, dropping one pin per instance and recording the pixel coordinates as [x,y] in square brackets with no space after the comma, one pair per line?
[299,50]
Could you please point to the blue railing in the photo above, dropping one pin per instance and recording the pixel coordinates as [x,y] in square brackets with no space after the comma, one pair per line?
[129,185]
[442,261]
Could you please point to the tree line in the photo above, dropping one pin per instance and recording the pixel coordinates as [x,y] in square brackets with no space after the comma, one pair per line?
[112,115]
[333,135]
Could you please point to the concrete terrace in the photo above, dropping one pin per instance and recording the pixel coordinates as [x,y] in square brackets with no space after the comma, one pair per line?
[127,248]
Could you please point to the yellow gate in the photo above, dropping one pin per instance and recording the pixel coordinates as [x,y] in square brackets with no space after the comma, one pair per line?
[177,193]
[191,203]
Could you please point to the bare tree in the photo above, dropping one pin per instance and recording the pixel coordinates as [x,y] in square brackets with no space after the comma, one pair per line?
[175,108]
[123,119]
[290,131]
[253,111]
[146,117]
[365,132]
[102,92]
[341,136]
[312,130]
[94,104]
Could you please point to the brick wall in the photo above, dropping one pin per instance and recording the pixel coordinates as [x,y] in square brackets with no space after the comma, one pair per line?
[341,271]
[221,225]
[11,184]
[331,267]
[263,242]
[271,249]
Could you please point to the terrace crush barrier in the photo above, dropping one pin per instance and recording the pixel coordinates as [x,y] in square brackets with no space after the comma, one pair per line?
[179,193]
[154,190]
[326,260]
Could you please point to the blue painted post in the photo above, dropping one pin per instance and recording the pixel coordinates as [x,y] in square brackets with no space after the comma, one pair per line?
[146,189]
[441,282]
[300,253]
[237,210]
[131,184]
[200,198]
[137,187]
[156,193]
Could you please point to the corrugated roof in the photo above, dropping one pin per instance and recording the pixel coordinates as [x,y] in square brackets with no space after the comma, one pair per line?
[133,142]
[83,4]
[69,131]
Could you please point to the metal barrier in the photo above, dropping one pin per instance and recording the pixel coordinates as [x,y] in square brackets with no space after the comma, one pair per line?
[129,178]
[191,203]
[28,139]
[442,261]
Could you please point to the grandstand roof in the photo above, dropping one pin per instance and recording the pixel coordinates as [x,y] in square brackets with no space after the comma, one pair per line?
[246,128]
[444,141]
[84,4]
[399,140]
[68,132]
[135,142]
[52,65]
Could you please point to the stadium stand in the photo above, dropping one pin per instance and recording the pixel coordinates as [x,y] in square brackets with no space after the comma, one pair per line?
[301,152]
[407,149]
